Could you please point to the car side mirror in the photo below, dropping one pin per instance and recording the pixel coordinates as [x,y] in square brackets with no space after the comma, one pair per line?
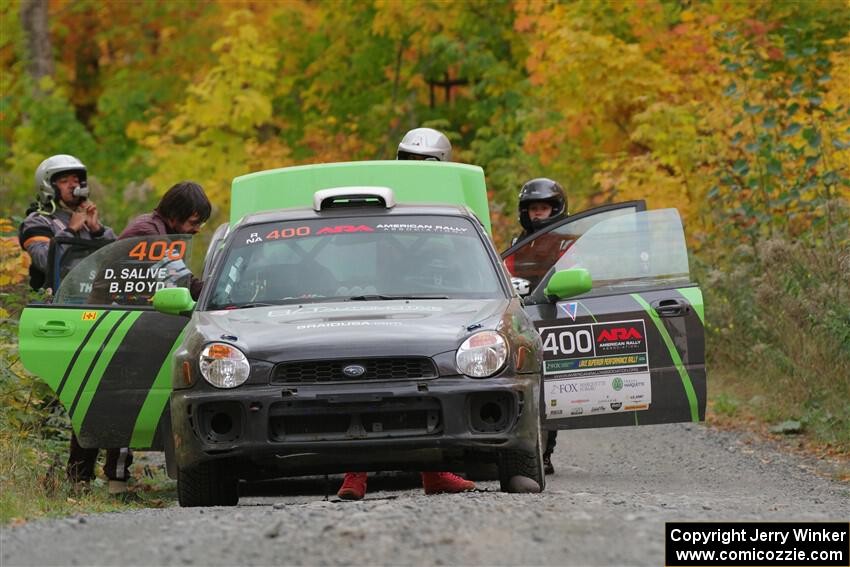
[568,283]
[173,301]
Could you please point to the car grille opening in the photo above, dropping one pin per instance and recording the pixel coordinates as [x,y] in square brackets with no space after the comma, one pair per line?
[354,370]
[320,420]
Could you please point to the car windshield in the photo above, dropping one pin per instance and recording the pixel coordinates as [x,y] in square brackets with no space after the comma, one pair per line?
[367,258]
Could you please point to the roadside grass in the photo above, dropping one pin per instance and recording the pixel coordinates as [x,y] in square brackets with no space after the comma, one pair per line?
[31,493]
[34,442]
[778,335]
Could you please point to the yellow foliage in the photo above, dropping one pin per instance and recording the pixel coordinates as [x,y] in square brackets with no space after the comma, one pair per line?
[14,261]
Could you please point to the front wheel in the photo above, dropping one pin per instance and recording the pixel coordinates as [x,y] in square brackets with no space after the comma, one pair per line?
[523,464]
[207,484]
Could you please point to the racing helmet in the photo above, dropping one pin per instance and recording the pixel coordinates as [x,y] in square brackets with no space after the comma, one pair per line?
[53,166]
[543,190]
[425,144]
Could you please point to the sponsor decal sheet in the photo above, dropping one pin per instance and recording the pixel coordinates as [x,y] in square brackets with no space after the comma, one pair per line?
[595,368]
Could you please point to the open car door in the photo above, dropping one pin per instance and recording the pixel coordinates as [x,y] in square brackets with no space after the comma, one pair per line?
[101,346]
[631,350]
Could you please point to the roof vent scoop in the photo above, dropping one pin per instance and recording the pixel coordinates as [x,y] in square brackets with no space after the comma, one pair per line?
[337,197]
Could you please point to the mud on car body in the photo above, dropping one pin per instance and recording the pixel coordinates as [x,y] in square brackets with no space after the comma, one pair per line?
[361,334]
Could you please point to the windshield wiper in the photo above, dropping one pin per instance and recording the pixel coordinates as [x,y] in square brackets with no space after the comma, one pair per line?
[378,297]
[249,305]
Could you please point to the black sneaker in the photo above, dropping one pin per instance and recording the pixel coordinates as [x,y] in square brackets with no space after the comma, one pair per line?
[547,465]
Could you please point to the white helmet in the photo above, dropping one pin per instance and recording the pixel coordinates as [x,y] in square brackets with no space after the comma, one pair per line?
[425,144]
[53,166]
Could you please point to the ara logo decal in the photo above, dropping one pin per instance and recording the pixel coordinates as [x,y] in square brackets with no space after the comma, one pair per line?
[253,238]
[345,228]
[618,334]
[568,309]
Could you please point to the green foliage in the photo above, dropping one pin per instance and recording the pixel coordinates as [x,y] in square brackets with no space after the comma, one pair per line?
[738,114]
[780,176]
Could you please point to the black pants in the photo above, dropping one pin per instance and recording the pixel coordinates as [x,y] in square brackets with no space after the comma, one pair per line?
[81,463]
[551,441]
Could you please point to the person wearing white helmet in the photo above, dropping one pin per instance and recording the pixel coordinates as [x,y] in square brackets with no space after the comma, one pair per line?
[62,208]
[425,144]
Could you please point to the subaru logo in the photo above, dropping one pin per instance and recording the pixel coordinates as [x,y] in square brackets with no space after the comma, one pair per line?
[354,370]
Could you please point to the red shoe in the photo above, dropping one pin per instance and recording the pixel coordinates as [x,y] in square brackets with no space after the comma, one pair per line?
[353,486]
[439,482]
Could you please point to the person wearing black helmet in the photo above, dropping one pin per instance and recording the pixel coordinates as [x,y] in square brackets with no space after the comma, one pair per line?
[542,202]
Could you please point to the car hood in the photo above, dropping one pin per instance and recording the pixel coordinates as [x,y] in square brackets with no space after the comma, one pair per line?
[337,330]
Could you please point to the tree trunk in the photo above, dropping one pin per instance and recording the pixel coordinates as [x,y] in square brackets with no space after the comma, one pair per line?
[39,50]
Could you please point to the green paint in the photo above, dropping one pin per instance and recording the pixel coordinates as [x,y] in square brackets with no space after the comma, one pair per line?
[411,182]
[674,355]
[103,362]
[48,357]
[148,418]
[694,297]
[81,366]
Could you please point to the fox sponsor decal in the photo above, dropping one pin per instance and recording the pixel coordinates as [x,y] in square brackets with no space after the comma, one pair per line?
[597,395]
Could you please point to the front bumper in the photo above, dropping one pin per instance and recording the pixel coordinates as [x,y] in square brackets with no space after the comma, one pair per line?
[267,430]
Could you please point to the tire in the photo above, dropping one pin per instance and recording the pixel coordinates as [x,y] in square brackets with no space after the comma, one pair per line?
[521,463]
[206,484]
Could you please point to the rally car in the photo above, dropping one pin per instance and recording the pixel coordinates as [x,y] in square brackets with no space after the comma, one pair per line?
[357,317]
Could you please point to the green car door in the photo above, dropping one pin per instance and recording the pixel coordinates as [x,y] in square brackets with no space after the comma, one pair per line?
[631,350]
[102,348]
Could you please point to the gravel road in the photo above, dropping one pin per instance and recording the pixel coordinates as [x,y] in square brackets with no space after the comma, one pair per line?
[606,505]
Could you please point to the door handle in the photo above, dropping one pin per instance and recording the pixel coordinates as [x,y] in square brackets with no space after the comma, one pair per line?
[54,329]
[671,307]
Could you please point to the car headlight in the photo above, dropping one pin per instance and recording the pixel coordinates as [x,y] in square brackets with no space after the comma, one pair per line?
[482,355]
[224,365]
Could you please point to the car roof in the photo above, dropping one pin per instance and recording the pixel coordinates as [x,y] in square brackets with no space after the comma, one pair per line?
[411,182]
[306,213]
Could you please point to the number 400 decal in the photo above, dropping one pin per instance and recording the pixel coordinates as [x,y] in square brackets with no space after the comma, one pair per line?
[157,250]
[568,342]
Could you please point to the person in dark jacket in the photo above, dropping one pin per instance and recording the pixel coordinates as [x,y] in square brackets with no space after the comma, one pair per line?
[62,208]
[542,202]
[182,210]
